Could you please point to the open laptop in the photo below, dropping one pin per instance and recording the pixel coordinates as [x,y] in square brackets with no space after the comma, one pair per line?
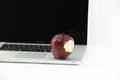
[27,27]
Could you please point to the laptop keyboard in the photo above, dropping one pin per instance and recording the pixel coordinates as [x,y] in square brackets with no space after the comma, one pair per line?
[20,47]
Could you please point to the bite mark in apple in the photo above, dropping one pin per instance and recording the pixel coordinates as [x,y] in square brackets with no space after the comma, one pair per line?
[69,46]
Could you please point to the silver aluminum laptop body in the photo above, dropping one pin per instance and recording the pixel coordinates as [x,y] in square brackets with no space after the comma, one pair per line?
[41,57]
[38,24]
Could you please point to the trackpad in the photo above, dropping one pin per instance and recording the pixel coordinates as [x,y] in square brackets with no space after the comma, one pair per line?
[32,55]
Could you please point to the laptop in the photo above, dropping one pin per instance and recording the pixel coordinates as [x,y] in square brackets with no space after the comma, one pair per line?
[27,27]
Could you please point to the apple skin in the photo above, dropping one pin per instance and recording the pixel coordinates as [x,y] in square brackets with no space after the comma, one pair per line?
[62,46]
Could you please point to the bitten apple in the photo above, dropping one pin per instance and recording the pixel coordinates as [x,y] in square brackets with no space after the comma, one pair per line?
[62,46]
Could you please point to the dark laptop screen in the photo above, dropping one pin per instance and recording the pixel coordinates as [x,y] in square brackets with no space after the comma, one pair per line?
[37,21]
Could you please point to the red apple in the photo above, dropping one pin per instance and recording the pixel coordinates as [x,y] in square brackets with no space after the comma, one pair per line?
[62,46]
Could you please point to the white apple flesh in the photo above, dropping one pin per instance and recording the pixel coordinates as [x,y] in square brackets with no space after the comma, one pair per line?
[62,46]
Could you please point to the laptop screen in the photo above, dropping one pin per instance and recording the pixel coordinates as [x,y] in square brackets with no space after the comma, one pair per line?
[37,21]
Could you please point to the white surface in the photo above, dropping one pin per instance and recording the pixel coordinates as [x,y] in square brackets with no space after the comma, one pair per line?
[99,63]
[101,60]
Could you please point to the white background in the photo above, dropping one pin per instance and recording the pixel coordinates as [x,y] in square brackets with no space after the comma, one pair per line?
[104,22]
[101,60]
